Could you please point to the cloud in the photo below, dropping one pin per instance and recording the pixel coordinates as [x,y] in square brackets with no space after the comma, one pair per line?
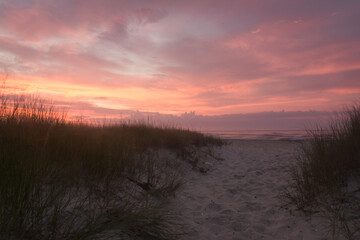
[149,15]
[311,83]
[175,56]
[72,19]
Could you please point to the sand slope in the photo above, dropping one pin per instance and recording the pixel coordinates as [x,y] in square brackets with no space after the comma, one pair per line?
[238,197]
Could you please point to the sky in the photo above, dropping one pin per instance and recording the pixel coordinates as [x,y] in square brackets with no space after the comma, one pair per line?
[210,58]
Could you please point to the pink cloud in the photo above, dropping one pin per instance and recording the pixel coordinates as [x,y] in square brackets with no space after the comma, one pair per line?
[177,56]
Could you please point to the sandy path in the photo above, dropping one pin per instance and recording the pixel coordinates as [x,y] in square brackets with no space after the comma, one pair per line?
[238,198]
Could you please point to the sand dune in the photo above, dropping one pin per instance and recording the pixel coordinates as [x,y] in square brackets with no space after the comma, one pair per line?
[239,197]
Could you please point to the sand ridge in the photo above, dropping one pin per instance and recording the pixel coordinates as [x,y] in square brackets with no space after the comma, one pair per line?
[239,197]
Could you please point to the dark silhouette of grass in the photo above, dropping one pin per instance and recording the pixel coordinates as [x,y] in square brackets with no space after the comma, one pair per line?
[64,180]
[324,170]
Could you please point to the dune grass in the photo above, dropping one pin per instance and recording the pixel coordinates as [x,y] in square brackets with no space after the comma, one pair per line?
[65,180]
[327,174]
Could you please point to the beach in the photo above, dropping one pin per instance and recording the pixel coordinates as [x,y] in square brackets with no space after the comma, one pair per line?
[238,197]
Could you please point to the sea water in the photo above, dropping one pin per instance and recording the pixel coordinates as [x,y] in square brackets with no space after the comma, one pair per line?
[261,134]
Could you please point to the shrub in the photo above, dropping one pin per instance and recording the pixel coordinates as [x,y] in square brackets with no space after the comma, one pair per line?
[65,180]
[324,167]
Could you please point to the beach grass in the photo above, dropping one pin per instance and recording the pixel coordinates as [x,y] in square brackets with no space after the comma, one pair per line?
[326,176]
[72,180]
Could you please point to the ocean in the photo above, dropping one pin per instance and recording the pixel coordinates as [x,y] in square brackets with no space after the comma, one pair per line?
[261,134]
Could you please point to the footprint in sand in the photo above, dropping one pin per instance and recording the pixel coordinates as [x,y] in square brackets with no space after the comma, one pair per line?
[228,204]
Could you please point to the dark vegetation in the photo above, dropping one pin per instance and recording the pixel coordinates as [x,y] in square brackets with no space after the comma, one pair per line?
[66,180]
[326,177]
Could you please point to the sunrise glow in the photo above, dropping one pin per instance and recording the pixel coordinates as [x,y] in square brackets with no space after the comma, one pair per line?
[171,57]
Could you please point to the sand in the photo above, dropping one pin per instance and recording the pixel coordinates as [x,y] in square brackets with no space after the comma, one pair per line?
[238,198]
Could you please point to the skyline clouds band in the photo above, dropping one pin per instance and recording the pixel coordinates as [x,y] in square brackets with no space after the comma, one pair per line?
[171,57]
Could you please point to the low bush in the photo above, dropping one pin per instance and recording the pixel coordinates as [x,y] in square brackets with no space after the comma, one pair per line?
[65,180]
[326,166]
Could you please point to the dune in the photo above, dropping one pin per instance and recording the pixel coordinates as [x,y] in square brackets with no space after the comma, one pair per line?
[238,198]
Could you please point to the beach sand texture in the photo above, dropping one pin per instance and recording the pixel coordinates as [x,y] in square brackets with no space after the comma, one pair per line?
[239,197]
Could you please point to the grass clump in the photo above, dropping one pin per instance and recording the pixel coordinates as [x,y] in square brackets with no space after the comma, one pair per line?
[64,180]
[327,174]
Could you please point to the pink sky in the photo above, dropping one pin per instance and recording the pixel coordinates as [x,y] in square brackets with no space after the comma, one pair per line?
[211,57]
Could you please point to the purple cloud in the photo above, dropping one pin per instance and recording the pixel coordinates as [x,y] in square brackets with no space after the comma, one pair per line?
[213,57]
